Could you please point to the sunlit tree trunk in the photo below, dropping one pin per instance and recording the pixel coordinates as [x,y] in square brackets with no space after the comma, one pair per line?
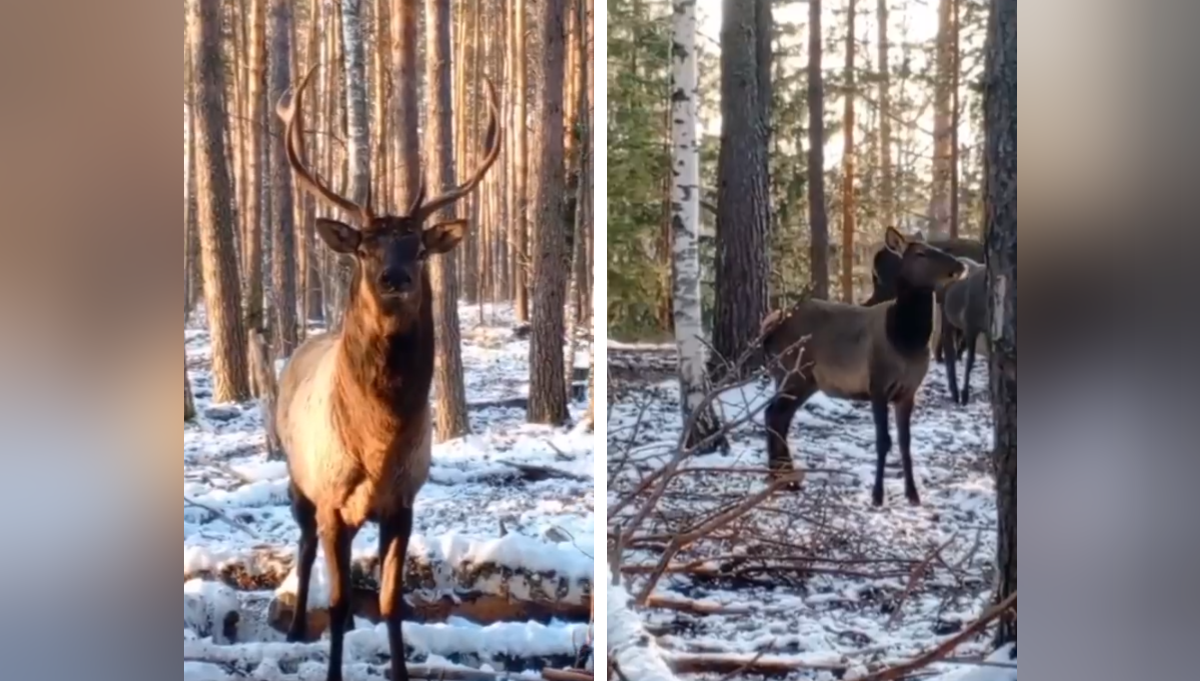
[887,188]
[222,289]
[448,371]
[252,251]
[848,203]
[547,397]
[405,105]
[521,225]
[939,205]
[283,261]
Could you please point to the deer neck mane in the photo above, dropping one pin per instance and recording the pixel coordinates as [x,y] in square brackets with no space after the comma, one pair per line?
[385,361]
[910,319]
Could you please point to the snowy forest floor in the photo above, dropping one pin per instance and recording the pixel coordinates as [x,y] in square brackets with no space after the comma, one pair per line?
[813,584]
[511,502]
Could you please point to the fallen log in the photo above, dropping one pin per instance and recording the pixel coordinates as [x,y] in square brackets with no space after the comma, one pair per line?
[512,578]
[743,665]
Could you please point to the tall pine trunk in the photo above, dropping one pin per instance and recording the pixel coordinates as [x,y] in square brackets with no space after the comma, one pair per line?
[547,397]
[357,122]
[283,260]
[743,210]
[848,203]
[818,217]
[448,371]
[222,289]
[685,221]
[1000,123]
[939,203]
[887,188]
[521,225]
[252,251]
[405,105]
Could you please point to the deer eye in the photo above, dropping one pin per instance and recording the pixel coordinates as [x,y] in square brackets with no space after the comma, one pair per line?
[423,255]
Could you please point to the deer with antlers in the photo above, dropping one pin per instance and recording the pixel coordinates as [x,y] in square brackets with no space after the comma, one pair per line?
[353,412]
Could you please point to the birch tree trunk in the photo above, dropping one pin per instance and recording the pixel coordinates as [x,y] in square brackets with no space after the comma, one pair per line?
[818,214]
[222,288]
[357,122]
[547,397]
[283,261]
[1000,122]
[448,372]
[685,222]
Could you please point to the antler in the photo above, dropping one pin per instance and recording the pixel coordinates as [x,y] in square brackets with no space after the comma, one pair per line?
[492,143]
[293,118]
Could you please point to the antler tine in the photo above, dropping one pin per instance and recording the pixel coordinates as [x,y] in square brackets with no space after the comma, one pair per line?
[419,198]
[294,146]
[492,143]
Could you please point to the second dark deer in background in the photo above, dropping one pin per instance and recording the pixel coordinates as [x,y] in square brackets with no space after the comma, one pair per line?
[964,311]
[878,354]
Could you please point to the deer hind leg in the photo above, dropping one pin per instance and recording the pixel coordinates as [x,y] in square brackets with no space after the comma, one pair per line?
[904,412]
[394,533]
[949,350]
[305,514]
[883,445]
[972,340]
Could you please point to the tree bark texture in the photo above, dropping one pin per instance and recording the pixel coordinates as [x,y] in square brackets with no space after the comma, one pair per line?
[252,250]
[283,262]
[547,394]
[887,189]
[1000,112]
[685,221]
[848,202]
[818,213]
[405,105]
[357,122]
[939,204]
[189,403]
[451,419]
[743,211]
[222,289]
[521,225]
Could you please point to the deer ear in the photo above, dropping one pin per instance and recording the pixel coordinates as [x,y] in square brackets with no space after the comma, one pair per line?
[444,236]
[339,236]
[895,241]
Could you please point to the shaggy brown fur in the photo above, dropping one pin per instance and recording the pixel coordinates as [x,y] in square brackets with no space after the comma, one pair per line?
[353,412]
[878,354]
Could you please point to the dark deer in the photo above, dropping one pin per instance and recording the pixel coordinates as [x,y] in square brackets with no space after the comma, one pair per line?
[886,268]
[878,354]
[353,412]
[964,310]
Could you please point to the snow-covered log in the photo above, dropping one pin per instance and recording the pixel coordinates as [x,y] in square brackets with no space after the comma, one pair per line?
[635,652]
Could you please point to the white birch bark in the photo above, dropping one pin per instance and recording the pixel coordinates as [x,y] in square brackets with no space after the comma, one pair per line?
[685,218]
[357,125]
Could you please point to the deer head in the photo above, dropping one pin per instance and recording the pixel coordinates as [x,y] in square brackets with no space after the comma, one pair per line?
[389,250]
[919,264]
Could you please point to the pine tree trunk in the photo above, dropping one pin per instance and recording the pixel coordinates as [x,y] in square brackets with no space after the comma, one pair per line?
[379,110]
[955,121]
[283,261]
[848,202]
[818,213]
[939,205]
[222,289]
[547,398]
[310,268]
[1000,111]
[743,219]
[405,105]
[189,404]
[887,189]
[578,187]
[193,283]
[252,250]
[521,225]
[448,372]
[685,221]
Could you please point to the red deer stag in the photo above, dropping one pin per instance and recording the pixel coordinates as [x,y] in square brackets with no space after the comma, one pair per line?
[878,354]
[353,413]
